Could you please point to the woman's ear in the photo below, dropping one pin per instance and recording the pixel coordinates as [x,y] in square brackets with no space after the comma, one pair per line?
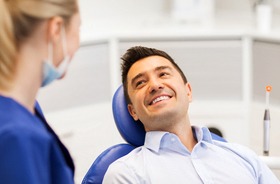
[132,112]
[189,91]
[54,29]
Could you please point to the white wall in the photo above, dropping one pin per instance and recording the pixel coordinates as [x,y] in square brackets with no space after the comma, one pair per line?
[111,14]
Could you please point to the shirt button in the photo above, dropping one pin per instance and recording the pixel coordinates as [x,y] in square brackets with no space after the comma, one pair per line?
[172,139]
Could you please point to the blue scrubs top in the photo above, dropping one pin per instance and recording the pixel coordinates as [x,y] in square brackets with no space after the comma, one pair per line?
[30,151]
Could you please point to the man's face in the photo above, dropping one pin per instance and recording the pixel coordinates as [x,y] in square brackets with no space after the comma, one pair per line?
[159,96]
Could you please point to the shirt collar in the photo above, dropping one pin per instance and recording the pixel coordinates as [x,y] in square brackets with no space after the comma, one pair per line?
[154,139]
[202,134]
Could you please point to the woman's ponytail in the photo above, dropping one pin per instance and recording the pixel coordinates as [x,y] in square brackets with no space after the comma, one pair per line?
[7,46]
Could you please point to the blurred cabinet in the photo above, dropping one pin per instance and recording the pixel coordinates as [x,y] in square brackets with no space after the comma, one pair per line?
[213,67]
[266,70]
[86,82]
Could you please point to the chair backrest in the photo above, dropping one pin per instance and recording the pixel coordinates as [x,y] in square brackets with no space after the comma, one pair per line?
[132,132]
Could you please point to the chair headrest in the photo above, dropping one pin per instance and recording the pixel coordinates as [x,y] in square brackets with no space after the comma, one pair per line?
[132,131]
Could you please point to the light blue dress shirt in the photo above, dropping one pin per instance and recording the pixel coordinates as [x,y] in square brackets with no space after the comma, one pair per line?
[164,159]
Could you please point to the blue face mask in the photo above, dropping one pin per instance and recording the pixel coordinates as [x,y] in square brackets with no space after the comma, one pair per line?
[50,73]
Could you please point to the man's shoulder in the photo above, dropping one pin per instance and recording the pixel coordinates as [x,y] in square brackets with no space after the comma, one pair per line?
[241,151]
[123,169]
[134,159]
[235,147]
[135,153]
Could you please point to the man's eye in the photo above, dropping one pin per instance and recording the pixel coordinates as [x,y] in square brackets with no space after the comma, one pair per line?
[163,74]
[139,83]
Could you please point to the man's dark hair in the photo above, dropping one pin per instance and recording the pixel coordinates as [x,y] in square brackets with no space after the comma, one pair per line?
[136,53]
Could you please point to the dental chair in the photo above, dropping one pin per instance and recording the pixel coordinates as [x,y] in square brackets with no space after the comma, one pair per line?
[132,132]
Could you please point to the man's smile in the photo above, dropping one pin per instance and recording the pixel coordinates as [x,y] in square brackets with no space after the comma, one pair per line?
[159,98]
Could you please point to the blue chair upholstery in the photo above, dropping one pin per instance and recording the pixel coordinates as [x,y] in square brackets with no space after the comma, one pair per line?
[99,167]
[132,132]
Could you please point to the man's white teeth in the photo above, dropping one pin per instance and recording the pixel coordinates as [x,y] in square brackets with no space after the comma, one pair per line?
[160,99]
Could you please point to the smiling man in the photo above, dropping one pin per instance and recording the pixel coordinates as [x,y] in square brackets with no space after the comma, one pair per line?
[158,94]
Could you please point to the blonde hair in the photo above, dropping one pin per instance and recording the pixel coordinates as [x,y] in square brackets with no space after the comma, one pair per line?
[18,19]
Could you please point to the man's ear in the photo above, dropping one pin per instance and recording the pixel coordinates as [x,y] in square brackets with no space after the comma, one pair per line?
[189,91]
[132,112]
[54,29]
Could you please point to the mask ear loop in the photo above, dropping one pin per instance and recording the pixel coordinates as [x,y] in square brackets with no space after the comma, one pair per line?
[64,64]
[64,44]
[50,53]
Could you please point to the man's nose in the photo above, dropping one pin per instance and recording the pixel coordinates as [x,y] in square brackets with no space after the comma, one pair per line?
[155,85]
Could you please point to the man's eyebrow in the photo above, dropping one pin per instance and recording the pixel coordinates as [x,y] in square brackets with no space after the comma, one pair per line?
[163,68]
[136,77]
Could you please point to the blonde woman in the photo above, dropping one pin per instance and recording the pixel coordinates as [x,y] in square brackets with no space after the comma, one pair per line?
[37,41]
